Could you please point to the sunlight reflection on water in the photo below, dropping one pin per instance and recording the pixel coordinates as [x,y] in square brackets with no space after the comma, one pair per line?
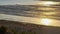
[50,16]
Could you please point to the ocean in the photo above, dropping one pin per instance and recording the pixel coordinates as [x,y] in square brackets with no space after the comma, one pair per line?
[41,15]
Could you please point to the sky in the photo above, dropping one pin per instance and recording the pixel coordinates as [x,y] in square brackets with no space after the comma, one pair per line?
[4,2]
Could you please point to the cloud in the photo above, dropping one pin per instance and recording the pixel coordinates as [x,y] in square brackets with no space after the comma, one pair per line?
[17,1]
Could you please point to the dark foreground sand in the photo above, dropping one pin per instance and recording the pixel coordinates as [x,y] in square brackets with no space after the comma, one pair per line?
[21,27]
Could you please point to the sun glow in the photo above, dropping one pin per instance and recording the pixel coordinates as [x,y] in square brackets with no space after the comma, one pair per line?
[47,3]
[46,21]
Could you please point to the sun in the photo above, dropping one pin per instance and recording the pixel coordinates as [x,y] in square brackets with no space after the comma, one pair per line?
[46,21]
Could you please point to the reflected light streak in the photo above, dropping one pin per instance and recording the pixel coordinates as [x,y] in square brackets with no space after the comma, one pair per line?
[46,9]
[49,13]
